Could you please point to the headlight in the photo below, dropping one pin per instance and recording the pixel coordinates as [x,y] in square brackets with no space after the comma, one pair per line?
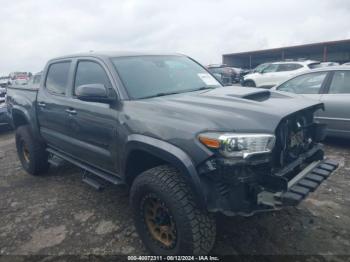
[238,145]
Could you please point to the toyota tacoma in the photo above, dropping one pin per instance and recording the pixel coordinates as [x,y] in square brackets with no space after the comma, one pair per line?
[187,147]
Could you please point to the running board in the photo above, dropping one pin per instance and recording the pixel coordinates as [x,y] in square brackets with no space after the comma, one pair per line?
[56,161]
[92,180]
[92,170]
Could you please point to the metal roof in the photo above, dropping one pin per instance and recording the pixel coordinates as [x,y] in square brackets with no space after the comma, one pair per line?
[345,42]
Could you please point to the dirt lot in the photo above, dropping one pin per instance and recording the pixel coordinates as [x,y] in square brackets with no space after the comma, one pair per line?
[59,214]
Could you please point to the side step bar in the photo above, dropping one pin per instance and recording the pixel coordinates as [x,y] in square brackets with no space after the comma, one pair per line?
[56,161]
[300,186]
[92,181]
[92,170]
[308,182]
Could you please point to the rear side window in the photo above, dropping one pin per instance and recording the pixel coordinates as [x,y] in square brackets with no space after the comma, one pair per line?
[89,72]
[271,68]
[304,84]
[57,78]
[340,83]
[288,67]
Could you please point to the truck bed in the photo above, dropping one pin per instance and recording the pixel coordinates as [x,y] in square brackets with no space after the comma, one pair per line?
[21,100]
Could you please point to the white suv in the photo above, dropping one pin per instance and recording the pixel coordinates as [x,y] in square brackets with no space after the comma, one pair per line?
[272,74]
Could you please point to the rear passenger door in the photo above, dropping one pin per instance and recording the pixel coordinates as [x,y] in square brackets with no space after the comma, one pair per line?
[92,125]
[285,71]
[337,104]
[52,102]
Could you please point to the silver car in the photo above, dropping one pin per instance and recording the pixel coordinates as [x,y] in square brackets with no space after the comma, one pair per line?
[330,85]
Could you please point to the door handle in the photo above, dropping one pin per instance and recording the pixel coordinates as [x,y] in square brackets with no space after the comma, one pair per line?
[41,104]
[71,111]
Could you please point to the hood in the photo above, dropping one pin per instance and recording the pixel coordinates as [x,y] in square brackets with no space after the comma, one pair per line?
[251,75]
[179,118]
[231,108]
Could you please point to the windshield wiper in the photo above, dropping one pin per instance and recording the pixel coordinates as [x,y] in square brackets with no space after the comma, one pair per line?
[179,92]
[162,94]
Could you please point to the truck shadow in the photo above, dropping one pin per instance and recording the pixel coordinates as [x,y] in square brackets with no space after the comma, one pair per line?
[280,232]
[337,142]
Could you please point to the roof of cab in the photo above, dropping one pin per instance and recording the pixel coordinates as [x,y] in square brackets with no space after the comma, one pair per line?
[107,54]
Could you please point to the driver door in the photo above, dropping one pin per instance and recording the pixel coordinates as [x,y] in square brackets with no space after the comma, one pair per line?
[93,125]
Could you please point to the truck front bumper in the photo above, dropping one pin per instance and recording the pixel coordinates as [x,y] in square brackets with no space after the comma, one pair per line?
[245,189]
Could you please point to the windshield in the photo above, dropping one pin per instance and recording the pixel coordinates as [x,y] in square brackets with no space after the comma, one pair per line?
[148,76]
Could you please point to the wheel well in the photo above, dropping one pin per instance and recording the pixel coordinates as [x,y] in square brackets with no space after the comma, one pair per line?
[19,119]
[249,80]
[139,161]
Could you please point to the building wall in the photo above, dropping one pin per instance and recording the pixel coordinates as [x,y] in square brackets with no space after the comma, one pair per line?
[334,53]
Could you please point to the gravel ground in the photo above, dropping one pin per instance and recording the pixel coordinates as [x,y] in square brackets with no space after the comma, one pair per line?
[58,214]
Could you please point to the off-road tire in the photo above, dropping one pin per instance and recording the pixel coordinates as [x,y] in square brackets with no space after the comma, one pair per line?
[35,162]
[249,83]
[195,228]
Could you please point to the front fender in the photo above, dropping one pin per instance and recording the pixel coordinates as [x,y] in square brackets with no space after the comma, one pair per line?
[170,154]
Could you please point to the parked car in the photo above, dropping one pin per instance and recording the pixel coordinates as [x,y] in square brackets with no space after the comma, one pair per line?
[346,64]
[325,64]
[3,113]
[330,86]
[165,127]
[20,78]
[5,81]
[272,74]
[3,92]
[245,72]
[225,74]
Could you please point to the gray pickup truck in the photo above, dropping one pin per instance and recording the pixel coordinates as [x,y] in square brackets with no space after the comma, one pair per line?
[187,147]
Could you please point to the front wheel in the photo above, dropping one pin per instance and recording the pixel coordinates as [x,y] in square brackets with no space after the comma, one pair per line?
[166,216]
[249,83]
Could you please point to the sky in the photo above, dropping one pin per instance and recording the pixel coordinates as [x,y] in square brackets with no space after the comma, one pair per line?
[33,31]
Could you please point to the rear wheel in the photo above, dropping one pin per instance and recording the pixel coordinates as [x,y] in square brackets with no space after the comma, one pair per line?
[249,83]
[31,152]
[167,217]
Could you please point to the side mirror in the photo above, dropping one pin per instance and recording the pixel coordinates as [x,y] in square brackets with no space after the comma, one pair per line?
[93,93]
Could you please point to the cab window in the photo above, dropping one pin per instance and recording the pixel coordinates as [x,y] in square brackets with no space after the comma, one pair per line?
[288,67]
[89,72]
[57,78]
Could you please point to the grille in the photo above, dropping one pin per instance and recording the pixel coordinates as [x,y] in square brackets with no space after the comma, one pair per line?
[294,136]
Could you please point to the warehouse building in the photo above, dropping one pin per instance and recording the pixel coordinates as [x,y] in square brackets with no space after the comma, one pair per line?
[333,51]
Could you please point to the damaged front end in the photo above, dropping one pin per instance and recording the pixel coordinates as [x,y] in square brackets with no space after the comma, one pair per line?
[270,179]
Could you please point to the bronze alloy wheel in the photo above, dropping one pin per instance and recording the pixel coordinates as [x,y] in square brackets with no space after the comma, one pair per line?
[25,152]
[159,221]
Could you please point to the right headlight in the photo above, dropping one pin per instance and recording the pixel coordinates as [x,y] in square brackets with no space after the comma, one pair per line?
[238,145]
